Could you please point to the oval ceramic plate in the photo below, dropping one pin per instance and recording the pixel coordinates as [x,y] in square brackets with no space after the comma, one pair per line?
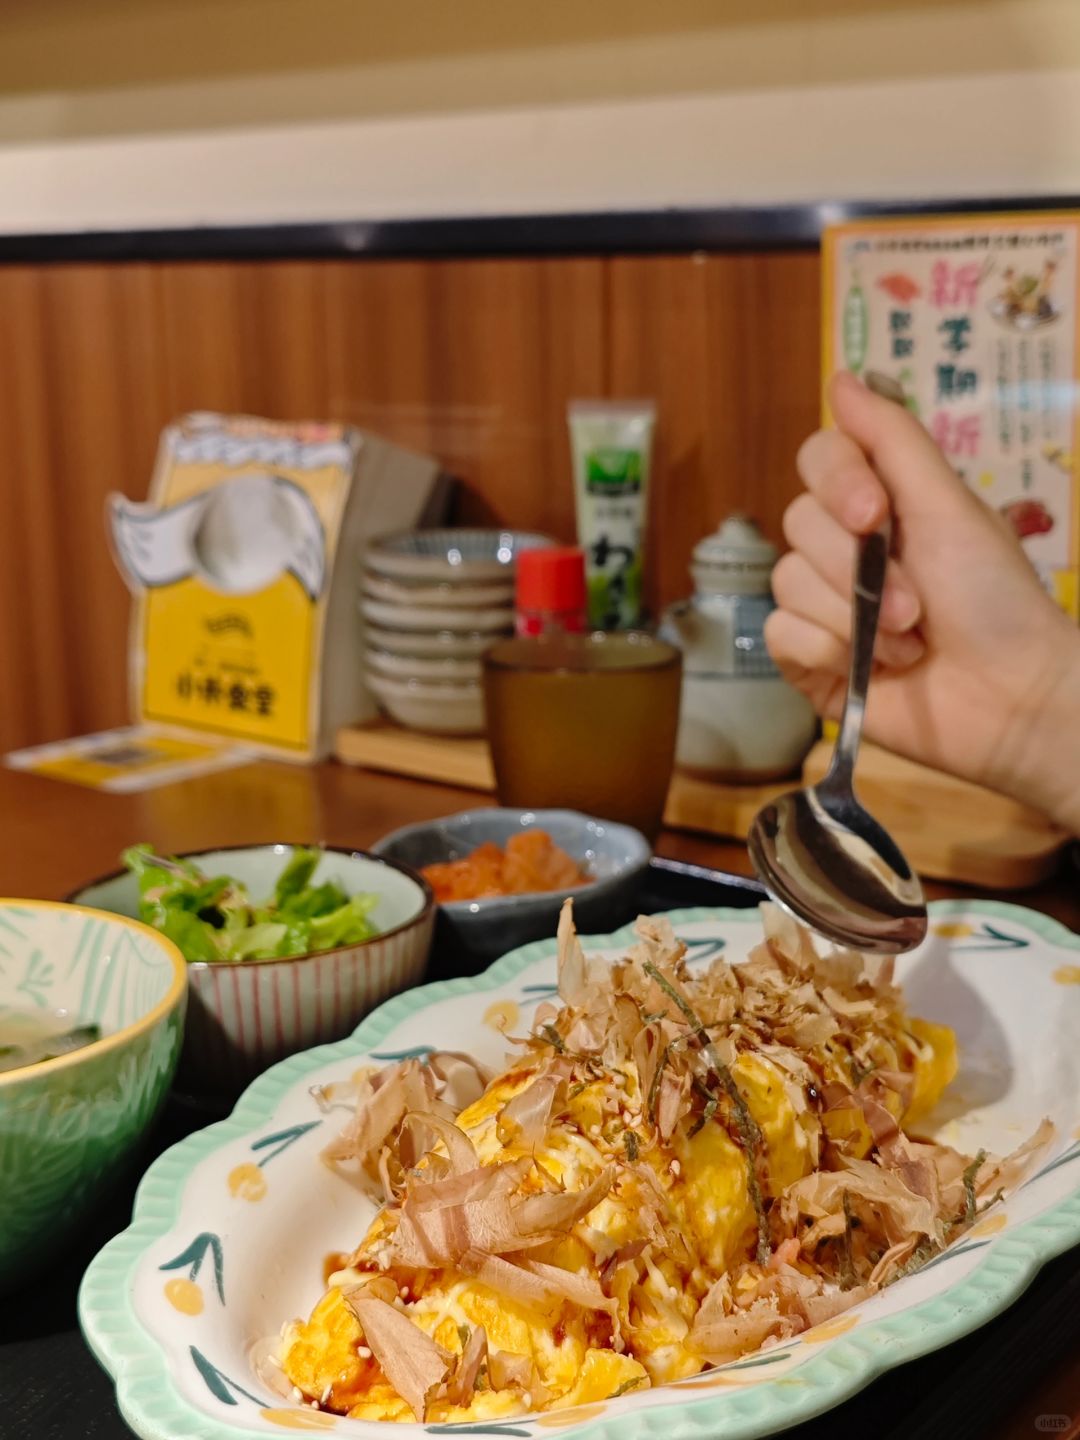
[232,1225]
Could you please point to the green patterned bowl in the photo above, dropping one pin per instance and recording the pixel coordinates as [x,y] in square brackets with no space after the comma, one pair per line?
[68,1124]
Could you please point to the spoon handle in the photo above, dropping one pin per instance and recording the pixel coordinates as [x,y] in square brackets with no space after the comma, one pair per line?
[870,564]
[873,555]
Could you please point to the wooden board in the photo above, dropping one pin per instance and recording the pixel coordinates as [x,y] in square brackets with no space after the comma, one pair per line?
[948,829]
[716,809]
[450,759]
[692,804]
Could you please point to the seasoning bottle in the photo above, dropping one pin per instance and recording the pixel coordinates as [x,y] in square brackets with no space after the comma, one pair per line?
[550,597]
[740,720]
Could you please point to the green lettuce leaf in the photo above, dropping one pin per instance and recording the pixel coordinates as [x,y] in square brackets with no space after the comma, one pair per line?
[212,918]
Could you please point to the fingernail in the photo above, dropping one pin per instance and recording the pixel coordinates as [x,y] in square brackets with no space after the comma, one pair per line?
[863,510]
[902,607]
[898,652]
[909,649]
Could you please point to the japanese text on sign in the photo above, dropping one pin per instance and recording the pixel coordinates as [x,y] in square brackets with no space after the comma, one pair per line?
[976,319]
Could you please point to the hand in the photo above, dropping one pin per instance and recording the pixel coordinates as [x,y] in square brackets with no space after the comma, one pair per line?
[977,671]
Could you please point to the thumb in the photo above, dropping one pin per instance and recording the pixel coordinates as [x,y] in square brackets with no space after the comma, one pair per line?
[916,474]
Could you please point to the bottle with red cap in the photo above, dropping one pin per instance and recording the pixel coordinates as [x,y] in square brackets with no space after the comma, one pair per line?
[550,596]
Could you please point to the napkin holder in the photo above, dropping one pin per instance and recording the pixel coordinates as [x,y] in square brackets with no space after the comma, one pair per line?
[242,567]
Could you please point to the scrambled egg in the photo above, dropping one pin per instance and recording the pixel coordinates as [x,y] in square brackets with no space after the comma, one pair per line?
[705,1181]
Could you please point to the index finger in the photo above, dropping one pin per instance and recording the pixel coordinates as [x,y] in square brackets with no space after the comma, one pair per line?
[901,452]
[835,470]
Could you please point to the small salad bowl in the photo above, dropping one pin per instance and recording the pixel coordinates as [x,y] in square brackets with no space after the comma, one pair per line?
[246,1014]
[472,933]
[91,1022]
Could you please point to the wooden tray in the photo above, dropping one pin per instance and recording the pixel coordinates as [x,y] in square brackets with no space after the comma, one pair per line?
[448,758]
[949,829]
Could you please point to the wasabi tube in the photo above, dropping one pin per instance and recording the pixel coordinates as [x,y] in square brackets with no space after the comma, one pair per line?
[611,448]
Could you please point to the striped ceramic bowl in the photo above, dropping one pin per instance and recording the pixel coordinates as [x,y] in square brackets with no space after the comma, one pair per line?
[244,1017]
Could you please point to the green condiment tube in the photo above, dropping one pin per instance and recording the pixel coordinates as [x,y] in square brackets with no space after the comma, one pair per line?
[611,449]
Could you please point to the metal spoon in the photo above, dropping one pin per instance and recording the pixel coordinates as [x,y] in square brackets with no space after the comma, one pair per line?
[820,855]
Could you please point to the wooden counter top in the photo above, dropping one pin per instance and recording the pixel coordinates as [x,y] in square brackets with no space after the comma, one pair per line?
[55,837]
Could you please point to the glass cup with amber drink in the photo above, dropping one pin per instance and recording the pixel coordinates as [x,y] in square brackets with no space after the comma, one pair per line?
[585,722]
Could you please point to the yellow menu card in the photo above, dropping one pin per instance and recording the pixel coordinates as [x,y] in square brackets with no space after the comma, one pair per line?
[132,758]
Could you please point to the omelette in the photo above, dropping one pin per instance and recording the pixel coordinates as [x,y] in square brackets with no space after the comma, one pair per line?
[679,1166]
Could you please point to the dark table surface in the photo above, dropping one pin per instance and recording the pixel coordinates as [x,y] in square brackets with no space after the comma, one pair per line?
[1014,1379]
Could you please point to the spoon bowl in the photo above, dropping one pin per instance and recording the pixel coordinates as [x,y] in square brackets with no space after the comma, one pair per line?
[828,862]
[820,855]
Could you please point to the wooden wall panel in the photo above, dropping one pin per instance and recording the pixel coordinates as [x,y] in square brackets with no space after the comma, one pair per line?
[660,347]
[728,345]
[765,337]
[106,396]
[34,688]
[246,338]
[82,376]
[472,361]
